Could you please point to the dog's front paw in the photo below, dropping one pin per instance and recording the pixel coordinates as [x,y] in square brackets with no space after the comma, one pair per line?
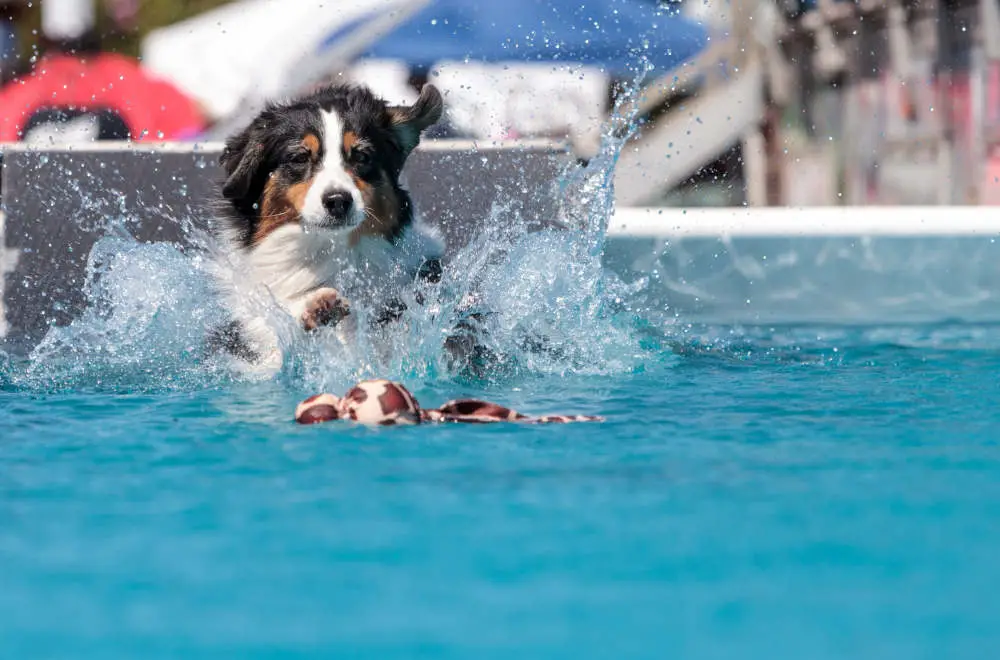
[325,308]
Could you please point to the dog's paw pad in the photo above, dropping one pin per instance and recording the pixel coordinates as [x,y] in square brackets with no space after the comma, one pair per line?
[326,308]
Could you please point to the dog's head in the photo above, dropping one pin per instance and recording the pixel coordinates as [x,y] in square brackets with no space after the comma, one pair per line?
[329,162]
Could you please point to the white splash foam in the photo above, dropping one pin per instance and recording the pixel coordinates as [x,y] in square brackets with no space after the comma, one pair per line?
[548,308]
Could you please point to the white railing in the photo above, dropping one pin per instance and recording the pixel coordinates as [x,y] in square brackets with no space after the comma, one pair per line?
[807,221]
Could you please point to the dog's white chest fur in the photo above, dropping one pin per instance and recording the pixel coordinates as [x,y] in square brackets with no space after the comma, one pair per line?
[287,267]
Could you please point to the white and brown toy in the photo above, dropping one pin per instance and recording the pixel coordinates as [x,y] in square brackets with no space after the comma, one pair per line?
[385,403]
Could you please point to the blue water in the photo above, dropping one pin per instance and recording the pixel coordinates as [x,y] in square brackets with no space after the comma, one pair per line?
[761,492]
[756,492]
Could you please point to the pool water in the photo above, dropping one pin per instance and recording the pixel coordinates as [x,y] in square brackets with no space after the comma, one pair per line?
[794,491]
[756,492]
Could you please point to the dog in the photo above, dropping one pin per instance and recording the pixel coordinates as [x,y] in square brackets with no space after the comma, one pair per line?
[312,212]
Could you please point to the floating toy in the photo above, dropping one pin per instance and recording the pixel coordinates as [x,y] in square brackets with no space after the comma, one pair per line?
[385,403]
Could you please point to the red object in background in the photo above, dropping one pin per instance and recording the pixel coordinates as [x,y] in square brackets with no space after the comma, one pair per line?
[101,83]
[955,90]
[990,190]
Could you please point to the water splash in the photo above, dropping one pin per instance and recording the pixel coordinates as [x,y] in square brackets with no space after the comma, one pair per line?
[148,310]
[540,303]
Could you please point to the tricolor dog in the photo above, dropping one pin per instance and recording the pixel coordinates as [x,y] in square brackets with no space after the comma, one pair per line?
[313,213]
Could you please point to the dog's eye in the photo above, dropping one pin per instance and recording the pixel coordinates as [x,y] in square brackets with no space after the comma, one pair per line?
[361,158]
[299,157]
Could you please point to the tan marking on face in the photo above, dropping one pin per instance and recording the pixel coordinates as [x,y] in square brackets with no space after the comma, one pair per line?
[350,139]
[312,143]
[280,205]
[381,210]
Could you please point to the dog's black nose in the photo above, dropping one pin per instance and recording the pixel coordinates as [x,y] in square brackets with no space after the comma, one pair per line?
[337,203]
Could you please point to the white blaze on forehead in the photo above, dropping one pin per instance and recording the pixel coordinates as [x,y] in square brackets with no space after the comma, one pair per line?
[331,175]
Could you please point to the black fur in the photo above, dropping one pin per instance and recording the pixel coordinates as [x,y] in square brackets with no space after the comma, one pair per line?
[267,145]
[229,339]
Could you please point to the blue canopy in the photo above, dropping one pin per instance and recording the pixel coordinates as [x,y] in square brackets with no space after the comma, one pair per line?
[613,34]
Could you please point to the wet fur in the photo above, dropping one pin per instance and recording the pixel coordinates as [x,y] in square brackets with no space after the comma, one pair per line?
[277,235]
[256,160]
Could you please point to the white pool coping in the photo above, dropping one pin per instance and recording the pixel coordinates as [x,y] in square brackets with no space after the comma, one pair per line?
[869,221]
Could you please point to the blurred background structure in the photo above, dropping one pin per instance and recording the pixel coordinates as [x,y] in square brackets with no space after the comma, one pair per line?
[759,102]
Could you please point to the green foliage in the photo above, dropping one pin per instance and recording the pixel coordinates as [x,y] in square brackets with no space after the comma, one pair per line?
[157,13]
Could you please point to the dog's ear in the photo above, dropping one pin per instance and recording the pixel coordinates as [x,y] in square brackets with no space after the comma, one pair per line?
[409,121]
[241,159]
